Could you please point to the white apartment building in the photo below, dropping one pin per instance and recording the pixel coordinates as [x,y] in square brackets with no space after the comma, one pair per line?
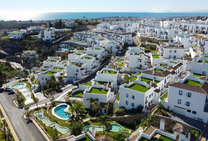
[48,34]
[69,23]
[173,52]
[30,53]
[16,34]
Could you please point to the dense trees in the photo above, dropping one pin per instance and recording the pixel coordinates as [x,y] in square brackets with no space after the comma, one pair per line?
[76,128]
[103,119]
[59,24]
[121,135]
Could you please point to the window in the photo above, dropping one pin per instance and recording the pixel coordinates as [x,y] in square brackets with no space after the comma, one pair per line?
[149,95]
[187,103]
[175,51]
[170,51]
[45,78]
[132,104]
[151,101]
[127,103]
[188,94]
[127,95]
[42,78]
[189,111]
[132,96]
[193,112]
[179,101]
[180,92]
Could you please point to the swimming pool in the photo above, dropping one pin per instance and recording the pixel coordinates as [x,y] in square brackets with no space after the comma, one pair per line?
[115,127]
[47,122]
[18,85]
[59,111]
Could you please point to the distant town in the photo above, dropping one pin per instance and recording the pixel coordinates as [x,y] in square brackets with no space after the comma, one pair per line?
[104,79]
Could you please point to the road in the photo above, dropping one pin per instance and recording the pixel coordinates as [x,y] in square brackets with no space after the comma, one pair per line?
[24,130]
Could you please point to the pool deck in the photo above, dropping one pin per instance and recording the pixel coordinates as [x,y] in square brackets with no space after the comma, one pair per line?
[56,114]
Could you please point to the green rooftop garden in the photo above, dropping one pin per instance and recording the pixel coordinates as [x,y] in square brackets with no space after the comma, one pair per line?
[163,65]
[78,54]
[97,49]
[16,32]
[58,69]
[173,62]
[196,74]
[154,52]
[138,87]
[162,138]
[133,78]
[5,37]
[164,96]
[43,70]
[73,63]
[158,70]
[206,56]
[98,91]
[121,65]
[110,72]
[88,83]
[120,60]
[146,80]
[193,83]
[200,61]
[195,50]
[138,73]
[103,82]
[51,61]
[194,47]
[87,58]
[49,73]
[156,56]
[78,94]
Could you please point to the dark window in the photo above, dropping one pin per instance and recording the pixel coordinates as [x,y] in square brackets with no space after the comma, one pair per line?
[127,95]
[179,101]
[187,103]
[189,111]
[133,97]
[127,103]
[188,94]
[132,104]
[180,92]
[193,112]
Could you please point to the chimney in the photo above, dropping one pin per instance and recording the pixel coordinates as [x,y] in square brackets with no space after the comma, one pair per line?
[153,81]
[93,131]
[181,129]
[150,83]
[189,136]
[153,71]
[162,124]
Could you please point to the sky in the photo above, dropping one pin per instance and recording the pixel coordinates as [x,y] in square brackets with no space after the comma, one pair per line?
[104,5]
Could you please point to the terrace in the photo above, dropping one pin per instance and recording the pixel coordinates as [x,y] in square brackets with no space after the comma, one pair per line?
[78,94]
[98,91]
[88,83]
[49,73]
[138,87]
[57,68]
[133,78]
[121,65]
[146,80]
[103,82]
[78,54]
[158,70]
[51,60]
[200,61]
[173,62]
[193,83]
[194,47]
[120,60]
[156,56]
[162,65]
[196,75]
[110,72]
[154,52]
[195,50]
[87,58]
[162,138]
[138,73]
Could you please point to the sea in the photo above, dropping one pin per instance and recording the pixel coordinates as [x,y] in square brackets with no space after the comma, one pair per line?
[77,15]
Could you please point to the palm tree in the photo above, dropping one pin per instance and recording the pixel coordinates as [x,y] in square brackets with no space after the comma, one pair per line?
[108,128]
[26,109]
[103,119]
[4,125]
[36,101]
[52,100]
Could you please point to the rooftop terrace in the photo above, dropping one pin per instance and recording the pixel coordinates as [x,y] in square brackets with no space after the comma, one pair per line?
[193,83]
[158,70]
[146,80]
[110,72]
[49,73]
[98,91]
[138,87]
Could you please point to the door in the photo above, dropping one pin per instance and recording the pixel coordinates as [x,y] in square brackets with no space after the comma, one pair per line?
[179,110]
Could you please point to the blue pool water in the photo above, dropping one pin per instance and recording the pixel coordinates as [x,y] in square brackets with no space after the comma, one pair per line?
[18,85]
[59,111]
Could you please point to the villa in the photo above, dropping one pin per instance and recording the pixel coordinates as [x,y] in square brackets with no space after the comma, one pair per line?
[48,34]
[30,54]
[16,34]
[69,23]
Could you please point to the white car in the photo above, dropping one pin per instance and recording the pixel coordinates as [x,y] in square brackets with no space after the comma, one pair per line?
[16,77]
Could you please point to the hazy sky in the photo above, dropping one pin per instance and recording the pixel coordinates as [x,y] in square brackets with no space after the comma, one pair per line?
[105,5]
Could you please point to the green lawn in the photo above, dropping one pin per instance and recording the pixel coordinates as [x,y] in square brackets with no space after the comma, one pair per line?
[98,91]
[196,74]
[200,61]
[49,73]
[88,83]
[154,52]
[194,47]
[133,78]
[195,50]
[163,65]
[110,72]
[78,54]
[193,83]
[138,87]
[87,58]
[73,63]
[43,70]
[103,82]
[173,62]
[120,60]
[162,138]
[206,56]
[5,37]
[97,49]
[86,138]
[164,96]
[156,56]
[58,69]
[138,73]
[78,94]
[146,80]
[121,65]
[158,70]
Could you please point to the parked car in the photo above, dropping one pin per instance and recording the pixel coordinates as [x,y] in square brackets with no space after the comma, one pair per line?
[8,90]
[16,77]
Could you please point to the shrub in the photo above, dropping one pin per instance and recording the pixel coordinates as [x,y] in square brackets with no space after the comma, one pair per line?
[139,109]
[119,111]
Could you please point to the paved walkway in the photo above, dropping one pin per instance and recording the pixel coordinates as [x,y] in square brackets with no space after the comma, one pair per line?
[135,133]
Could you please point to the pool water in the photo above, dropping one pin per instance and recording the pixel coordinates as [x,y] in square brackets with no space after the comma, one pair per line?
[18,85]
[59,111]
[115,127]
[47,122]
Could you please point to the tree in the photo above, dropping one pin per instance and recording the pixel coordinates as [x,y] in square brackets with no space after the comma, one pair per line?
[126,78]
[121,135]
[103,119]
[119,111]
[4,126]
[54,133]
[160,106]
[20,100]
[37,62]
[108,127]
[117,47]
[96,109]
[76,128]
[26,109]
[55,32]
[139,108]
[36,102]
[126,45]
[52,100]
[59,24]
[61,80]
